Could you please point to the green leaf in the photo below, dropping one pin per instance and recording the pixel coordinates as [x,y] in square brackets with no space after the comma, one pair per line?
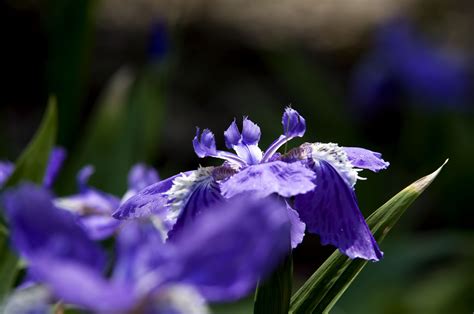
[273,296]
[30,166]
[322,290]
[8,266]
[124,128]
[69,27]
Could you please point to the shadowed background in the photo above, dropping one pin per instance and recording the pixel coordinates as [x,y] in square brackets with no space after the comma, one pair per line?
[133,80]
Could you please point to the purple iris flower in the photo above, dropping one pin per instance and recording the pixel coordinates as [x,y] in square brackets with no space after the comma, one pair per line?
[315,180]
[180,199]
[216,258]
[403,64]
[55,162]
[94,207]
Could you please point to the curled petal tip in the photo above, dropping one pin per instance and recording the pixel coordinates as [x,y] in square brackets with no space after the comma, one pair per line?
[250,132]
[366,159]
[294,125]
[204,144]
[232,135]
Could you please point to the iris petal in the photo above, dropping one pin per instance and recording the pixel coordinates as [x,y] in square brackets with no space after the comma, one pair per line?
[297,226]
[234,246]
[294,125]
[205,194]
[141,176]
[140,249]
[91,202]
[150,200]
[78,284]
[331,211]
[251,154]
[250,132]
[55,162]
[285,179]
[366,159]
[83,177]
[204,144]
[232,135]
[33,217]
[50,239]
[99,227]
[245,144]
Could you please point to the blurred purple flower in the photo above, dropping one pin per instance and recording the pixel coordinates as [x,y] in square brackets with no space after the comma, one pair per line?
[139,177]
[94,208]
[217,257]
[91,206]
[55,163]
[320,178]
[58,251]
[404,65]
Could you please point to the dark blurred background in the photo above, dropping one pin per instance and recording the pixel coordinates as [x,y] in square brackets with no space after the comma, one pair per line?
[133,79]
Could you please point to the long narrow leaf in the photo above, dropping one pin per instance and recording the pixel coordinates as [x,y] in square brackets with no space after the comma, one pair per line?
[30,166]
[8,266]
[328,283]
[124,128]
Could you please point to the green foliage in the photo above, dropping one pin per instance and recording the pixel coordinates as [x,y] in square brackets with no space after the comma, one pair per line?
[69,26]
[274,295]
[329,282]
[8,266]
[30,166]
[123,129]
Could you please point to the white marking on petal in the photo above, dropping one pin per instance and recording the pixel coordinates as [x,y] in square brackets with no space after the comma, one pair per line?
[160,226]
[182,188]
[336,157]
[69,204]
[180,299]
